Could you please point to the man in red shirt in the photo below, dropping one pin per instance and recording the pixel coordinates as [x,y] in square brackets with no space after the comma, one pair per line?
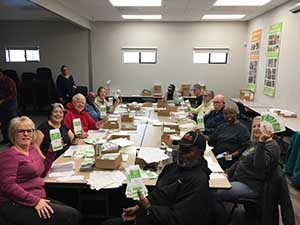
[8,104]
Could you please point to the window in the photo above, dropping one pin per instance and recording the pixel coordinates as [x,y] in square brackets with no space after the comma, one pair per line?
[139,56]
[22,54]
[210,55]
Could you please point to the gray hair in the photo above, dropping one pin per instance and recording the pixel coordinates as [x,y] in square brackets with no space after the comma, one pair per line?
[13,127]
[254,119]
[77,97]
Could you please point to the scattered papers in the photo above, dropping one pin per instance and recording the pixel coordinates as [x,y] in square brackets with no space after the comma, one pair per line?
[122,142]
[110,146]
[135,183]
[111,156]
[61,174]
[150,155]
[106,179]
[88,152]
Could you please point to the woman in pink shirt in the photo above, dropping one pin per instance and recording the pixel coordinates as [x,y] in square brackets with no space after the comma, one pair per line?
[22,194]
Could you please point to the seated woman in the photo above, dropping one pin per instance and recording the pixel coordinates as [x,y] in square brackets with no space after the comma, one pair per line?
[101,101]
[249,173]
[22,194]
[55,119]
[75,109]
[230,139]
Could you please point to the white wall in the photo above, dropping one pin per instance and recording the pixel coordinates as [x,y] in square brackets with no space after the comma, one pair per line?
[174,42]
[60,43]
[288,84]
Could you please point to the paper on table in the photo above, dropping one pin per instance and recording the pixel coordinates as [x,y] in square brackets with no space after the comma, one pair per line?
[122,142]
[106,179]
[62,167]
[70,178]
[124,157]
[151,155]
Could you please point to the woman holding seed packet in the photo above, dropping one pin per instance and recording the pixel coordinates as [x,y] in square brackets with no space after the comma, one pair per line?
[22,168]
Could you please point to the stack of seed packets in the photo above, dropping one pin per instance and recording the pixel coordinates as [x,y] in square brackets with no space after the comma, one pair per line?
[55,137]
[77,126]
[270,121]
[135,183]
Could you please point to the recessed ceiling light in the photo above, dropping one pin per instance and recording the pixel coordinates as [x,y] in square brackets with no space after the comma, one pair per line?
[141,17]
[135,2]
[225,17]
[241,2]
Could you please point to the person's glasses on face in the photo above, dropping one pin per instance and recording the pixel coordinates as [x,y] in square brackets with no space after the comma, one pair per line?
[218,102]
[23,131]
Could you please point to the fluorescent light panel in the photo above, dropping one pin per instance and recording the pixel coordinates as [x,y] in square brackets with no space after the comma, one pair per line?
[241,2]
[141,17]
[135,2]
[225,17]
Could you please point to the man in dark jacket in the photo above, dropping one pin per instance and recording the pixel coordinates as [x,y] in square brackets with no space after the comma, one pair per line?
[215,117]
[181,196]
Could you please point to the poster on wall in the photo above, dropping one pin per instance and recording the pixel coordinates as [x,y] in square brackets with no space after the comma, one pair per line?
[254,58]
[271,72]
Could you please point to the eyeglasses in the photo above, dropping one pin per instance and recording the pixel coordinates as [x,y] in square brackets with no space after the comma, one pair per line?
[217,102]
[23,131]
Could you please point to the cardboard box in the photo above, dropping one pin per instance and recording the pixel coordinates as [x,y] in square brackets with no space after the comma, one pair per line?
[246,95]
[147,104]
[171,108]
[162,104]
[163,113]
[127,118]
[108,164]
[116,136]
[146,92]
[128,127]
[134,107]
[111,125]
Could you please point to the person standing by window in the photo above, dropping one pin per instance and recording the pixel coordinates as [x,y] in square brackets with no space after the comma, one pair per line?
[65,85]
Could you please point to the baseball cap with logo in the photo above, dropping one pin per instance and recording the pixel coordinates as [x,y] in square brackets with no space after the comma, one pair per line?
[191,139]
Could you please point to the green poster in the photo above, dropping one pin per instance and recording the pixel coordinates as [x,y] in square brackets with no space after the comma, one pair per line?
[252,87]
[271,72]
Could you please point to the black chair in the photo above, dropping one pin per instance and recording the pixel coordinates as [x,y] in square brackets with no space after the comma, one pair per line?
[28,90]
[245,115]
[45,87]
[82,90]
[13,75]
[275,193]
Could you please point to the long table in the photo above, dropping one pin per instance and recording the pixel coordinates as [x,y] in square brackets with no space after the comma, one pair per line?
[258,107]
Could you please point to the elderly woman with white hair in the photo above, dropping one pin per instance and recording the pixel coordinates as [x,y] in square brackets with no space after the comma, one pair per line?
[75,110]
[22,168]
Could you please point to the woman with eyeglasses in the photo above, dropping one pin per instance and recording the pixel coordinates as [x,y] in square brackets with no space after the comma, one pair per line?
[22,168]
[55,118]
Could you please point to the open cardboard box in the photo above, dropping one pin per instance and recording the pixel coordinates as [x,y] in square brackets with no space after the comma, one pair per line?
[147,104]
[111,125]
[127,118]
[246,95]
[128,126]
[116,136]
[164,112]
[108,164]
[162,104]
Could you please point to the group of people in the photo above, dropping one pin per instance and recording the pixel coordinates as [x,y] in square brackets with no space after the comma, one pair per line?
[181,196]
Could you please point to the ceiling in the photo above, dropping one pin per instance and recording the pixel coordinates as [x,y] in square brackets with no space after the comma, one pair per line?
[102,10]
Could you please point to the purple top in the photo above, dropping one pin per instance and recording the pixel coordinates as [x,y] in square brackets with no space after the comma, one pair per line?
[21,176]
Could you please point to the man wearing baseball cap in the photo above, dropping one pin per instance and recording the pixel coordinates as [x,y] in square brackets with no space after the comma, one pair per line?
[181,195]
